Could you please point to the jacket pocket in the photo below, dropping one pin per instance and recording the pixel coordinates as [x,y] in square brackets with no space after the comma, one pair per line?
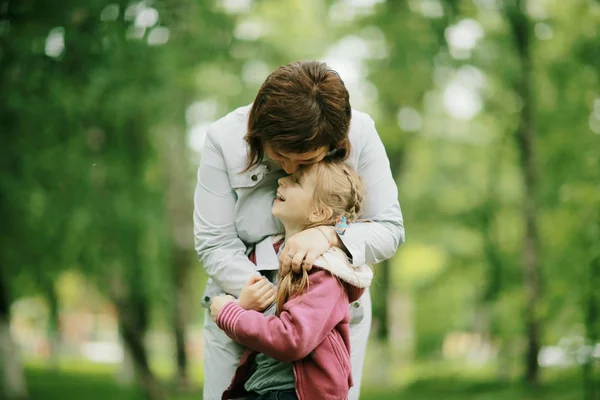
[340,352]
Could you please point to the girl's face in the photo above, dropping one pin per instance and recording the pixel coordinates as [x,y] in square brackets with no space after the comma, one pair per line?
[294,202]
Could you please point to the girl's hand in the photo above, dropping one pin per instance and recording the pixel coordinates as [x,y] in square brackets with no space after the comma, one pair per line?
[257,294]
[218,303]
[302,249]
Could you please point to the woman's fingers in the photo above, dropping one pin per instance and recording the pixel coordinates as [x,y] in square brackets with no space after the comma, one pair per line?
[309,260]
[297,261]
[285,259]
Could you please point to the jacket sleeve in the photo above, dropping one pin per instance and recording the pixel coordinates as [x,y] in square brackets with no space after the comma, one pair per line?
[377,240]
[218,246]
[303,323]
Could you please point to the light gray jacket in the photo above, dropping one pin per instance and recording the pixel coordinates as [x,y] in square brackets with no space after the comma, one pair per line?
[232,210]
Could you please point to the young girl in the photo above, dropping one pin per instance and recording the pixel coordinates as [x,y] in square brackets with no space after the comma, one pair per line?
[302,349]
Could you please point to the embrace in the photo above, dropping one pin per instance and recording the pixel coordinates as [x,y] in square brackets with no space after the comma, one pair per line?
[294,200]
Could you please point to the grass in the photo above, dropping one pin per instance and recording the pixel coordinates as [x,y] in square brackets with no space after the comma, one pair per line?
[474,390]
[94,382]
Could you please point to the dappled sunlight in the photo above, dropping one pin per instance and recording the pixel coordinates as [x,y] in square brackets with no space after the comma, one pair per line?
[55,42]
[462,38]
[419,265]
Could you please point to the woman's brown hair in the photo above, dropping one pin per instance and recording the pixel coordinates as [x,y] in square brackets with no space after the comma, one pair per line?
[338,193]
[300,107]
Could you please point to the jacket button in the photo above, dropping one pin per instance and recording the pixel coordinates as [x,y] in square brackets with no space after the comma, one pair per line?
[254,177]
[206,299]
[356,304]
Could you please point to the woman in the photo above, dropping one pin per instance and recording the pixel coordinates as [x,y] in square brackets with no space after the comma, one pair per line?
[301,349]
[301,115]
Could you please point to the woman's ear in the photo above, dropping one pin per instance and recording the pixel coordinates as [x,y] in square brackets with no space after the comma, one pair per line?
[321,214]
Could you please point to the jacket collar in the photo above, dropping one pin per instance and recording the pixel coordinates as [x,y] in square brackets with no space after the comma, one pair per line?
[266,257]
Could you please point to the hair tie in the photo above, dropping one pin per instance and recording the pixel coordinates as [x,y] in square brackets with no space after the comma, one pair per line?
[340,225]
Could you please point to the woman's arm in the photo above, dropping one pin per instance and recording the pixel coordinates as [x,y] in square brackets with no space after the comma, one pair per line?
[218,246]
[377,240]
[302,324]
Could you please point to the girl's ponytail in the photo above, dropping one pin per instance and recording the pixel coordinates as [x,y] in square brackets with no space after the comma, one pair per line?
[290,285]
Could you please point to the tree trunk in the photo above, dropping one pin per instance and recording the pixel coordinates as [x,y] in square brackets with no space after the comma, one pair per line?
[12,379]
[134,341]
[133,336]
[493,283]
[133,311]
[490,246]
[53,325]
[525,136]
[592,324]
[181,275]
[381,311]
[126,371]
[13,385]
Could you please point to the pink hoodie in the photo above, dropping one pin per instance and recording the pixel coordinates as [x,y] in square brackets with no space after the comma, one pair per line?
[312,331]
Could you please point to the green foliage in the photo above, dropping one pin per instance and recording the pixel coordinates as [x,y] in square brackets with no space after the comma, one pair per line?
[96,176]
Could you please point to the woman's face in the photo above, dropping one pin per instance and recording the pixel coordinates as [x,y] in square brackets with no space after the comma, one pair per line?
[290,162]
[294,202]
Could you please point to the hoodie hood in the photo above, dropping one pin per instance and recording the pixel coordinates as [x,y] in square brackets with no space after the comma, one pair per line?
[336,262]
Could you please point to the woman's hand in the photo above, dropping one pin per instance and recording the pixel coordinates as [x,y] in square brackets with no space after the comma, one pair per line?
[218,303]
[257,294]
[302,249]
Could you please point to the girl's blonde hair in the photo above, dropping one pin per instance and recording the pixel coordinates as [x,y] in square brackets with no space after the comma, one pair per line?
[338,193]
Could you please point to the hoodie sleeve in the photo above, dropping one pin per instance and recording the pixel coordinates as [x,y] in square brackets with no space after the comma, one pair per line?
[303,323]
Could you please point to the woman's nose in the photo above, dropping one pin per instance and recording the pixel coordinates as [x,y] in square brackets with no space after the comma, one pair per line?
[289,166]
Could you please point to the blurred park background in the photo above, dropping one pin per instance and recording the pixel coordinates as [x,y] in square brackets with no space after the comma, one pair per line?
[490,114]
